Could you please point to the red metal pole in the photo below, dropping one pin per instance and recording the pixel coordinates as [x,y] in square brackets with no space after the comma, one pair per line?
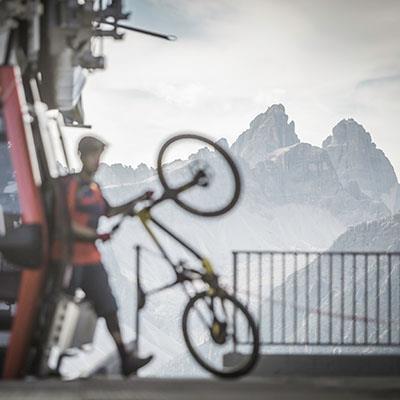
[14,112]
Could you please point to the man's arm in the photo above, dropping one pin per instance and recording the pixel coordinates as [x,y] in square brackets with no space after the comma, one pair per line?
[84,233]
[127,208]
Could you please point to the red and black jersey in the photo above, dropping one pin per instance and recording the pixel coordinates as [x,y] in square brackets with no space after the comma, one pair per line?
[86,205]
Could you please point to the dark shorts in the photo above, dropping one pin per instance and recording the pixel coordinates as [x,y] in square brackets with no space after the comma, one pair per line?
[93,280]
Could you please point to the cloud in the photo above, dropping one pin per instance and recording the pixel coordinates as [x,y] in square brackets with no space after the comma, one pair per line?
[381,81]
[324,60]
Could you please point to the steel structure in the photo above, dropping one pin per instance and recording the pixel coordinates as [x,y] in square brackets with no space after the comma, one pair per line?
[46,49]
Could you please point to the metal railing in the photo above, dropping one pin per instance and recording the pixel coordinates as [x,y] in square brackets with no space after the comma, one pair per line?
[315,298]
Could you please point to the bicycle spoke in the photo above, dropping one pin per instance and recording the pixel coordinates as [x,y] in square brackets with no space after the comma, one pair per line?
[204,319]
[224,309]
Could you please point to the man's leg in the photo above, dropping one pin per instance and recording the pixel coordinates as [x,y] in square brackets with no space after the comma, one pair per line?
[130,362]
[98,290]
[115,331]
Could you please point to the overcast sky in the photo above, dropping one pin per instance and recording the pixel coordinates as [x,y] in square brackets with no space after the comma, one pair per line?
[324,60]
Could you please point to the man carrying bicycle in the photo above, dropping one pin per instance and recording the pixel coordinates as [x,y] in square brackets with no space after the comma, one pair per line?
[86,205]
[211,313]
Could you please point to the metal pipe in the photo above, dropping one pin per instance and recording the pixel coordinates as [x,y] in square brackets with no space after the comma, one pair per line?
[139,30]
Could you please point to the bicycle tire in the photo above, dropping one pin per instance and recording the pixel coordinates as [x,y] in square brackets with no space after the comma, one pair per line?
[256,343]
[221,151]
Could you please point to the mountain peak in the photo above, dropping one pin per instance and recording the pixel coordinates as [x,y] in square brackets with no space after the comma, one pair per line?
[348,131]
[356,158]
[223,143]
[276,112]
[268,131]
[276,108]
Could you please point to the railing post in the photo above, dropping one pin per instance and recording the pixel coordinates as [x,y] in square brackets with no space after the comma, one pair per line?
[330,298]
[295,301]
[260,299]
[235,295]
[354,297]
[389,298]
[283,305]
[307,325]
[138,299]
[342,297]
[377,310]
[319,283]
[271,296]
[366,298]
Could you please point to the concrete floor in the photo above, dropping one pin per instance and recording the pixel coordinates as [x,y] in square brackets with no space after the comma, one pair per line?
[196,389]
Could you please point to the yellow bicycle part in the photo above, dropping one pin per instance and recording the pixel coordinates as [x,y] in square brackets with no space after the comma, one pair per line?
[207,266]
[145,216]
[216,329]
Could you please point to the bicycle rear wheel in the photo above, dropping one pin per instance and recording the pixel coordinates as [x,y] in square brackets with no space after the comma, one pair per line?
[212,325]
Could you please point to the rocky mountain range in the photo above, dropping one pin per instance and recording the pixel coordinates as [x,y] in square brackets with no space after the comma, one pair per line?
[341,176]
[348,176]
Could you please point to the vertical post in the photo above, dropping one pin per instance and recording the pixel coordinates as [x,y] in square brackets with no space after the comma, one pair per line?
[283,306]
[295,299]
[354,298]
[398,295]
[378,289]
[248,262]
[330,297]
[342,262]
[319,299]
[235,295]
[260,300]
[248,288]
[307,299]
[138,298]
[397,316]
[366,298]
[389,298]
[271,297]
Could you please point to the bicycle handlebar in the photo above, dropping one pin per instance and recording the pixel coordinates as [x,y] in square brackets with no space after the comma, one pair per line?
[168,194]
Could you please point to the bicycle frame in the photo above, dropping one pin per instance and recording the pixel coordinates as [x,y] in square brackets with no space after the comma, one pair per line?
[145,217]
[207,277]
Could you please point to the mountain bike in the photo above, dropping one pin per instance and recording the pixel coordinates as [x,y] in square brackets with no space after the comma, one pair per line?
[212,319]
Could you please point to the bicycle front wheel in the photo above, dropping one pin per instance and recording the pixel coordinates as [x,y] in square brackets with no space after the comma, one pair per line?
[213,326]
[182,156]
